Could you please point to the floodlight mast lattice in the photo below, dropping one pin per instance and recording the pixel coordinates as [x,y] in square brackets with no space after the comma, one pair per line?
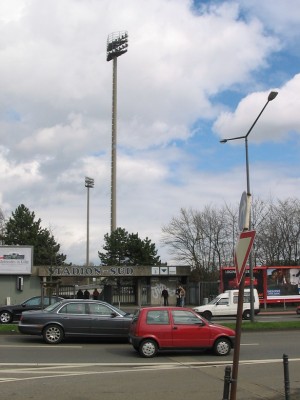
[117,44]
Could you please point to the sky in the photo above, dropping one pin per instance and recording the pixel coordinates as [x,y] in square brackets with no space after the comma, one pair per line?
[196,72]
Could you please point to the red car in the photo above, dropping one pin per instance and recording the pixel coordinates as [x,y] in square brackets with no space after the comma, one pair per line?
[169,328]
[298,310]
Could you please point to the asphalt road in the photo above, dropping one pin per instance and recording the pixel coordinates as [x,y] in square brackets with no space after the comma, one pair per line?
[81,370]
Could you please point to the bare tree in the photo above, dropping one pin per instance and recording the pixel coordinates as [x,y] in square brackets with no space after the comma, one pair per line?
[206,239]
[198,239]
[278,238]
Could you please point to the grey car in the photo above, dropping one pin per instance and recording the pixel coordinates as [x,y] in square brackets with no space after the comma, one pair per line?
[76,318]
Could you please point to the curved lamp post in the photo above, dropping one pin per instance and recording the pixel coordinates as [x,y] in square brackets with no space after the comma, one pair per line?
[271,97]
[236,355]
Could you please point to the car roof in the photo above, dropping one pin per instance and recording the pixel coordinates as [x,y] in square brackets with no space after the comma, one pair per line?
[165,308]
[85,301]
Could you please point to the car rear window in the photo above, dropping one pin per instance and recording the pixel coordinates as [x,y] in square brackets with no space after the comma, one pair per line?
[158,317]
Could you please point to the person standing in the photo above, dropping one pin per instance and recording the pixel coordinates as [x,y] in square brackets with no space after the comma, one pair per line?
[79,294]
[165,295]
[95,294]
[177,294]
[86,294]
[182,296]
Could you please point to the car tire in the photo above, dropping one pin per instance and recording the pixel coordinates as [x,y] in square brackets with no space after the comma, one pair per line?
[246,314]
[207,315]
[222,347]
[53,334]
[148,348]
[6,317]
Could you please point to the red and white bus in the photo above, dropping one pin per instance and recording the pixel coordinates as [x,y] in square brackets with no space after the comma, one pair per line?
[276,284]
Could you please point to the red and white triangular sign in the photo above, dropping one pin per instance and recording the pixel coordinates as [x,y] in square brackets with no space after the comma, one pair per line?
[242,251]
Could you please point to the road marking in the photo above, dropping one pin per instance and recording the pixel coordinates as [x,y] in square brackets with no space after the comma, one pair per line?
[48,369]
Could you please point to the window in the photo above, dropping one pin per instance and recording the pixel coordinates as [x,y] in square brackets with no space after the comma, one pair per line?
[223,302]
[158,317]
[185,317]
[73,308]
[100,309]
[35,301]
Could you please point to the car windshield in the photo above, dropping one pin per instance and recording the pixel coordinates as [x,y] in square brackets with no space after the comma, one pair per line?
[121,312]
[214,301]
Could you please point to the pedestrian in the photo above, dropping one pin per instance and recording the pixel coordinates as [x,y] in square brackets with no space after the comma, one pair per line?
[86,294]
[79,294]
[182,296]
[177,294]
[165,295]
[95,294]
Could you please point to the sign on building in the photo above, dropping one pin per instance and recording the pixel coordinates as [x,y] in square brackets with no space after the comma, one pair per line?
[16,260]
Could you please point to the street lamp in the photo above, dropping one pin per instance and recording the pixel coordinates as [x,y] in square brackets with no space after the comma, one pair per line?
[89,184]
[117,44]
[271,97]
[235,364]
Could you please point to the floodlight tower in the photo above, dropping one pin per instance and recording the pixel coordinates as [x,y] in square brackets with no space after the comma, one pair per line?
[117,43]
[89,184]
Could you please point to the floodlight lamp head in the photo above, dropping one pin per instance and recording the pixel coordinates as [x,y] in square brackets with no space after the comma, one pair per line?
[117,43]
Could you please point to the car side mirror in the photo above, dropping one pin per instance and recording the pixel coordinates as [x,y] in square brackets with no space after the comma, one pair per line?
[113,314]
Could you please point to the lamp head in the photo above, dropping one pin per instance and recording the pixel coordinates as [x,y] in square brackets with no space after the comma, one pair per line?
[272,96]
[223,141]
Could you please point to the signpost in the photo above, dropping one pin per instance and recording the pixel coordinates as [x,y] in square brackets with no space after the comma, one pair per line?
[242,251]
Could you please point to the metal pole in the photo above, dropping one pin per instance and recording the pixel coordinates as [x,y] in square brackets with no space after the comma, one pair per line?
[249,196]
[88,227]
[227,381]
[286,377]
[114,147]
[237,345]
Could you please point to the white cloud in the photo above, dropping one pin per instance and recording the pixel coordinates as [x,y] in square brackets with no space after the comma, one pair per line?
[278,120]
[55,108]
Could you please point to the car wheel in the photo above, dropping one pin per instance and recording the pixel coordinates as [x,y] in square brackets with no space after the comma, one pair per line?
[53,334]
[5,317]
[148,348]
[246,314]
[207,315]
[222,347]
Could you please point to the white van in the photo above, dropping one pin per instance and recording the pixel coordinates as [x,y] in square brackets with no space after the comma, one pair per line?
[226,305]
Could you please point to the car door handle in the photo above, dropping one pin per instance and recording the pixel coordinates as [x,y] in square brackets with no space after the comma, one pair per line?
[175,327]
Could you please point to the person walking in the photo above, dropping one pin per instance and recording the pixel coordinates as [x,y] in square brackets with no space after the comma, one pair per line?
[165,295]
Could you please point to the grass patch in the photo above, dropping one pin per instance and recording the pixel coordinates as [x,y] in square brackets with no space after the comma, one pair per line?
[9,328]
[246,326]
[260,326]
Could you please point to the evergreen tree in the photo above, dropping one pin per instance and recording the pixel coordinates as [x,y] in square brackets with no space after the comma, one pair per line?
[24,230]
[122,248]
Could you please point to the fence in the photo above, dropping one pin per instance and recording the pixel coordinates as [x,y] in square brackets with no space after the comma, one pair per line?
[199,293]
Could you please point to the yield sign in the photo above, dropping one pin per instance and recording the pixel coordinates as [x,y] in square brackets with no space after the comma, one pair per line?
[242,251]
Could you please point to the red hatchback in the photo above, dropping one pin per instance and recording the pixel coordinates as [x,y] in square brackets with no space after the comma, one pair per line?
[169,328]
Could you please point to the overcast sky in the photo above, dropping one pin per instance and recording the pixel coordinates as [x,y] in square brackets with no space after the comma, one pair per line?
[195,72]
